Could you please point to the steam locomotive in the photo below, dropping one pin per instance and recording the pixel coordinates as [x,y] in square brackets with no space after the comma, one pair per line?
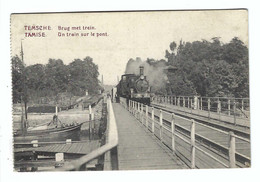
[134,87]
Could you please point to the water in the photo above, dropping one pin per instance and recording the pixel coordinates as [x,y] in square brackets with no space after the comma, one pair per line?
[84,135]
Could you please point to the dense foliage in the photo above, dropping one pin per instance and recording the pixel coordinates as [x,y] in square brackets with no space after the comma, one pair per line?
[208,68]
[38,80]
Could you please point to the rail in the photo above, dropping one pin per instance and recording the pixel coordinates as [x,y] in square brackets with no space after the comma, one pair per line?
[169,134]
[235,110]
[111,146]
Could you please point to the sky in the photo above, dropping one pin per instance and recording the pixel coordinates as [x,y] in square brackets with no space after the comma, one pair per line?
[123,35]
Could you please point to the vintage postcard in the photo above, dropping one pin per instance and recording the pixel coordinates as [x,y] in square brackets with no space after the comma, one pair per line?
[136,90]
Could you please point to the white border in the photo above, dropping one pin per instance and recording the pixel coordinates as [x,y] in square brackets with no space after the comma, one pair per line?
[22,6]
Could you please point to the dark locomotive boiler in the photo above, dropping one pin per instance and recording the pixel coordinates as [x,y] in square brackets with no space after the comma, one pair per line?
[134,87]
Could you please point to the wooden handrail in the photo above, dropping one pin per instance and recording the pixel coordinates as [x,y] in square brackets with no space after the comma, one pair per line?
[190,139]
[78,164]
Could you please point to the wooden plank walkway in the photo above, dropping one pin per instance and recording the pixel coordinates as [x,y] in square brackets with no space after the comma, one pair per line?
[138,149]
[73,148]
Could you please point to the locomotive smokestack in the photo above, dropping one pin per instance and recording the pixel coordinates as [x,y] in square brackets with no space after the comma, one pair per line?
[141,70]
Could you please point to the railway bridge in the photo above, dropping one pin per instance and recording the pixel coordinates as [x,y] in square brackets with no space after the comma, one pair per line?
[170,133]
[174,133]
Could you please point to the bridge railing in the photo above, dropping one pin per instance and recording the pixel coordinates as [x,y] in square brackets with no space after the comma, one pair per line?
[109,149]
[235,110]
[182,140]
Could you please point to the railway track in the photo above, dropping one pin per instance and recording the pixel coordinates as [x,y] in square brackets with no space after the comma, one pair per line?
[213,139]
[238,130]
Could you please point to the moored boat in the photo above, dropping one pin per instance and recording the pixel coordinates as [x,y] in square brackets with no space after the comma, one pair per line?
[49,132]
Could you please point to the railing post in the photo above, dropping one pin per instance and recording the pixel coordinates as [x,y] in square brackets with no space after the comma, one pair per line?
[175,103]
[56,110]
[208,107]
[173,131]
[146,116]
[34,143]
[179,101]
[133,108]
[129,103]
[183,101]
[195,102]
[188,102]
[141,113]
[90,109]
[90,122]
[68,141]
[135,103]
[242,105]
[232,150]
[129,108]
[114,158]
[161,123]
[235,122]
[192,137]
[152,119]
[229,107]
[219,106]
[59,157]
[138,110]
[201,108]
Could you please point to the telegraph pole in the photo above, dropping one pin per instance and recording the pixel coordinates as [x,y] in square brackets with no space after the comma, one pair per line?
[24,98]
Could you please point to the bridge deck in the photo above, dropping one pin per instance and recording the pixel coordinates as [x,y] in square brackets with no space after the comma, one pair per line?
[138,149]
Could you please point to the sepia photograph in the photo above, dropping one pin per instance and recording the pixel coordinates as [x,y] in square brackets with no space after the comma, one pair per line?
[130,90]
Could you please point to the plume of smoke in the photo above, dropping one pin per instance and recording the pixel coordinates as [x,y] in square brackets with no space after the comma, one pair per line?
[154,72]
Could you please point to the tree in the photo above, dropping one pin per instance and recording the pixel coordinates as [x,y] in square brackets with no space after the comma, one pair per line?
[173,46]
[17,78]
[211,68]
[36,80]
[235,52]
[171,56]
[83,76]
[56,76]
[53,79]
